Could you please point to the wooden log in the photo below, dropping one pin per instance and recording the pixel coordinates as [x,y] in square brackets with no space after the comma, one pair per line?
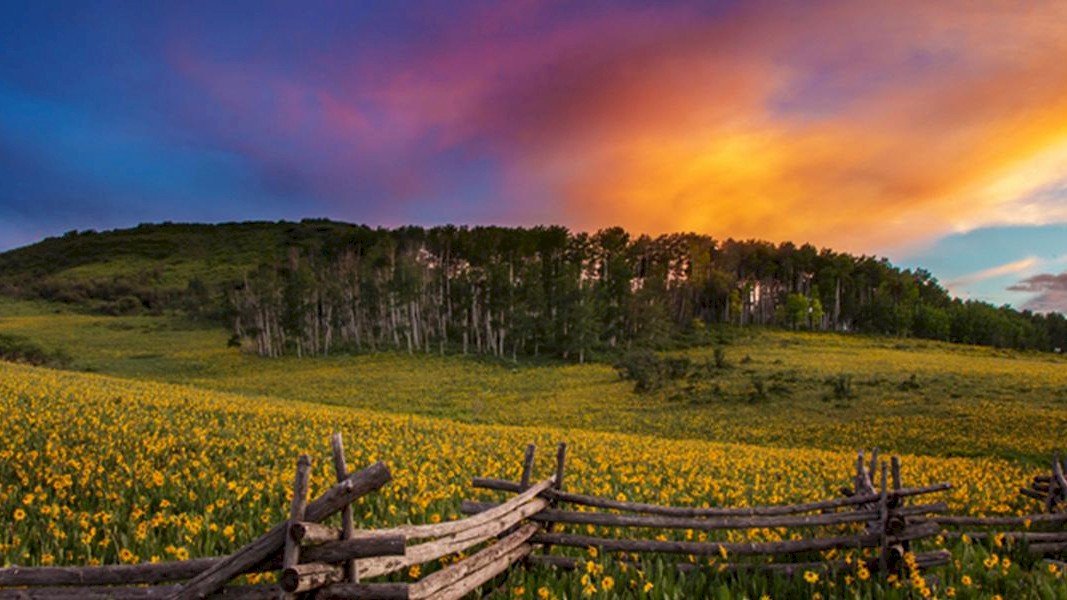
[433,583]
[337,497]
[291,553]
[677,511]
[706,523]
[457,542]
[561,457]
[348,527]
[478,578]
[309,576]
[1048,548]
[235,592]
[367,546]
[868,540]
[311,534]
[363,591]
[435,530]
[1035,494]
[527,465]
[894,463]
[923,559]
[1061,481]
[1019,536]
[996,521]
[106,574]
[873,470]
[883,521]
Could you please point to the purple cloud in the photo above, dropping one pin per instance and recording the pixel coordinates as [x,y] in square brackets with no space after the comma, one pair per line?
[1051,292]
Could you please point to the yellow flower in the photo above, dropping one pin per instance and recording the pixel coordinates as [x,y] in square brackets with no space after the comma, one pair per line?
[544,593]
[648,587]
[519,591]
[414,571]
[19,514]
[864,574]
[811,577]
[966,580]
[607,583]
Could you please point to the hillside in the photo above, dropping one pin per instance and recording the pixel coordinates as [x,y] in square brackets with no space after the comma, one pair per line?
[1000,403]
[319,286]
[154,263]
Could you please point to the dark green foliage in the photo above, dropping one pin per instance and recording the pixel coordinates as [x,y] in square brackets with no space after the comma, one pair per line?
[19,349]
[759,389]
[841,387]
[644,368]
[720,358]
[910,384]
[318,285]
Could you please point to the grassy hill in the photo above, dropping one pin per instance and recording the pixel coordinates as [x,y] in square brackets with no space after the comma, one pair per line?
[909,396]
[153,263]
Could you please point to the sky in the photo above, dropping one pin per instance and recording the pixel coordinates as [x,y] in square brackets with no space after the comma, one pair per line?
[933,133]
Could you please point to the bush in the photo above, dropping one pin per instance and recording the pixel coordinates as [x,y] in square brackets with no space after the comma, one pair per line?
[644,368]
[720,359]
[19,349]
[910,384]
[841,387]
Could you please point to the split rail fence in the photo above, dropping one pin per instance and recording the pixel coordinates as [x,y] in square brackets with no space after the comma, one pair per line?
[1042,534]
[887,526]
[529,529]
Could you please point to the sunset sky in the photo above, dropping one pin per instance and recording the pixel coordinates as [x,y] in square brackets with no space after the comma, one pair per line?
[934,133]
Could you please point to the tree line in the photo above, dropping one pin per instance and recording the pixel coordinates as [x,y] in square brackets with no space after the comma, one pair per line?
[549,291]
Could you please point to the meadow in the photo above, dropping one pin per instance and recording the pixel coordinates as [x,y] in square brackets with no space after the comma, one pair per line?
[998,403]
[177,446]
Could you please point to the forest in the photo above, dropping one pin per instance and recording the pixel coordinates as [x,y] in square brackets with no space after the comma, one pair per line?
[535,291]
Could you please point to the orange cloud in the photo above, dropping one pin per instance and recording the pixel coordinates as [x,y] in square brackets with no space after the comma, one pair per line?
[931,112]
[859,126]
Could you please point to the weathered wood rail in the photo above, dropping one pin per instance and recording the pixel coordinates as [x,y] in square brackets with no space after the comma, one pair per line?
[881,511]
[1043,534]
[312,559]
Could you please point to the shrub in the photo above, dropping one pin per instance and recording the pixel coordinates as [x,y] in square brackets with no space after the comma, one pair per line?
[19,349]
[841,387]
[720,359]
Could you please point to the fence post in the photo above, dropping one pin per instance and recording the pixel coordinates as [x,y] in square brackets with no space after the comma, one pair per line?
[883,521]
[348,527]
[561,457]
[527,466]
[291,554]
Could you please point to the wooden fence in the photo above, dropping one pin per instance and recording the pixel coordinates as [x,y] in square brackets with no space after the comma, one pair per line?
[886,520]
[1043,534]
[529,528]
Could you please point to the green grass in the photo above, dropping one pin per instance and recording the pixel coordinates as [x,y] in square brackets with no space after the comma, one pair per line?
[908,396]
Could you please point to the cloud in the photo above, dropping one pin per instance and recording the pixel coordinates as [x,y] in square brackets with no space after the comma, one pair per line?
[862,127]
[1051,292]
[867,127]
[993,272]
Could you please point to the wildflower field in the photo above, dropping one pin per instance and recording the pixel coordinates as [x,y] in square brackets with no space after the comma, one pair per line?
[125,465]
